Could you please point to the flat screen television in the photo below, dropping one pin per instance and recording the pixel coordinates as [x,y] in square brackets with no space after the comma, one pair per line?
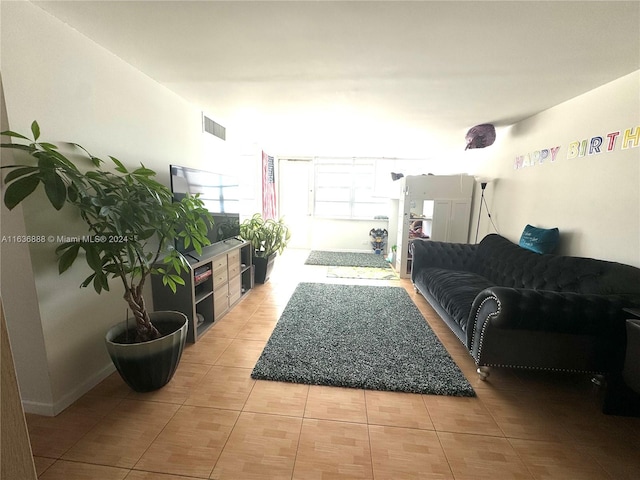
[220,194]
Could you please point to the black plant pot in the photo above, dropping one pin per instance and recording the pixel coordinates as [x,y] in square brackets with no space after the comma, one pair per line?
[148,366]
[263,267]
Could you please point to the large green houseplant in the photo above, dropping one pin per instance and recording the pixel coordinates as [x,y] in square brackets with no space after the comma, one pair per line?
[268,238]
[132,220]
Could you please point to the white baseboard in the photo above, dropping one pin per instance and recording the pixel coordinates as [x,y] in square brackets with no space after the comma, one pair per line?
[53,409]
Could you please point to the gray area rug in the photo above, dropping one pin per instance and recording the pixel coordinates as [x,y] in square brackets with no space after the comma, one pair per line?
[346,259]
[358,336]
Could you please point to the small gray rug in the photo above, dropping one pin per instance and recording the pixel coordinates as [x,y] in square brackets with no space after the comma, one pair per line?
[346,259]
[358,336]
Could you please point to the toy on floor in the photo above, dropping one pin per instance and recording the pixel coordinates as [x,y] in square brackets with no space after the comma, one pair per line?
[378,239]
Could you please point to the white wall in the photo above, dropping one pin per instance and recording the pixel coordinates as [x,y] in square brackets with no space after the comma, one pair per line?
[79,92]
[593,199]
[16,278]
[344,235]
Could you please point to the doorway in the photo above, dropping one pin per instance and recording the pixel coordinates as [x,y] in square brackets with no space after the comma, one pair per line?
[295,191]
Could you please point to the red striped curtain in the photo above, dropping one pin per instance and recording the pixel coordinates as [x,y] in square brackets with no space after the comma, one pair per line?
[268,187]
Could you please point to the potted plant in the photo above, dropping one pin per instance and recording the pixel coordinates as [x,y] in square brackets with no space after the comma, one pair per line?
[132,223]
[268,238]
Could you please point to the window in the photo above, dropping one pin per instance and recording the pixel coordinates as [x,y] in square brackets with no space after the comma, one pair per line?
[344,188]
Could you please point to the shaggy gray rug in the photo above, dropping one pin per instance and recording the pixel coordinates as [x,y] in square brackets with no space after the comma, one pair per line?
[346,259]
[358,336]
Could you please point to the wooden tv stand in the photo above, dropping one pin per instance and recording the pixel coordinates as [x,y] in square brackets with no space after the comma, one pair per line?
[216,281]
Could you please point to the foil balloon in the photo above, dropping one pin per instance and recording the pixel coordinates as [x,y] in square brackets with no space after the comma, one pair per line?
[481,136]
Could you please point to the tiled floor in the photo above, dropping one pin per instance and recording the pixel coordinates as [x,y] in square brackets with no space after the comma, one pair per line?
[214,421]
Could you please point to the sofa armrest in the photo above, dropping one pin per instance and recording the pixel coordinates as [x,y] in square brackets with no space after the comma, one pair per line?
[453,256]
[562,312]
[547,311]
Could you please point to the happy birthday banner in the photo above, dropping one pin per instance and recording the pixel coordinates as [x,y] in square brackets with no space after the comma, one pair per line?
[582,148]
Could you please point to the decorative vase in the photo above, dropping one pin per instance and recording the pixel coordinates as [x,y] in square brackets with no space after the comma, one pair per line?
[148,366]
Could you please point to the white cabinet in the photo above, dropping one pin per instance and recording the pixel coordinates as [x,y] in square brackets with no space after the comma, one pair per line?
[437,207]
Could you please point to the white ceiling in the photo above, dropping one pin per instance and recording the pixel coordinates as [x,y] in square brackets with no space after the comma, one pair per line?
[308,74]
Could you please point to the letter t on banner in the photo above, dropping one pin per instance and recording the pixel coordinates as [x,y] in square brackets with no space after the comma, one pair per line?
[268,187]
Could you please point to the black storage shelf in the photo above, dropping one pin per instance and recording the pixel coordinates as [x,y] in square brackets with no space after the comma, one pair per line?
[198,296]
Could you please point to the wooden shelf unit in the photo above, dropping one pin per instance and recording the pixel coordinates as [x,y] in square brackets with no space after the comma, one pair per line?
[216,281]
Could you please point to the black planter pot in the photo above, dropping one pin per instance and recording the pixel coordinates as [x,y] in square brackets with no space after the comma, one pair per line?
[262,267]
[148,366]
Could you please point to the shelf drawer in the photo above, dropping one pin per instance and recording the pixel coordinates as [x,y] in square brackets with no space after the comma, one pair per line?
[235,287]
[219,263]
[219,278]
[234,269]
[220,302]
[234,257]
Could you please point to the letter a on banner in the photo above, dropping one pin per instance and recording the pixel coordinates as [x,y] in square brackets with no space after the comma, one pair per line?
[268,187]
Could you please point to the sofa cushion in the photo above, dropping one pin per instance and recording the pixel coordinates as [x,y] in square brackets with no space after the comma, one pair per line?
[454,290]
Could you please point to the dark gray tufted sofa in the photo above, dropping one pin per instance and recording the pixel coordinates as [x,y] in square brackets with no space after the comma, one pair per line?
[515,308]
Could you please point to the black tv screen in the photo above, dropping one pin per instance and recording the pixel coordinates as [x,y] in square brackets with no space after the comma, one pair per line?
[220,194]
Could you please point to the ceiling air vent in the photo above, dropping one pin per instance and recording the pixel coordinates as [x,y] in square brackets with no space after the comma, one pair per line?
[213,128]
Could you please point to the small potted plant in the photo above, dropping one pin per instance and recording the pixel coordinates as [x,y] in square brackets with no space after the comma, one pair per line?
[132,223]
[268,238]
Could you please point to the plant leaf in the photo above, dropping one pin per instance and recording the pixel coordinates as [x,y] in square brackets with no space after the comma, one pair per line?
[68,257]
[56,191]
[93,258]
[19,190]
[18,146]
[19,172]
[9,133]
[35,129]
[119,166]
[88,280]
[48,146]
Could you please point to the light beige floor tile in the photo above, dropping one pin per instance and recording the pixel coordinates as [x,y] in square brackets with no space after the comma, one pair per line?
[460,414]
[407,453]
[618,458]
[267,312]
[95,405]
[257,329]
[522,416]
[140,475]
[206,351]
[333,450]
[241,353]
[191,442]
[187,377]
[551,460]
[63,470]
[335,403]
[279,398]
[259,447]
[112,386]
[478,457]
[223,387]
[228,326]
[121,437]
[53,436]
[397,409]
[42,463]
